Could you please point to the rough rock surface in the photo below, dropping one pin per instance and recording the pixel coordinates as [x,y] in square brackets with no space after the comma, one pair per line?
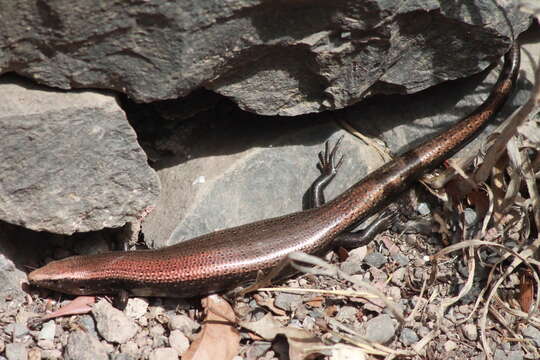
[69,162]
[270,57]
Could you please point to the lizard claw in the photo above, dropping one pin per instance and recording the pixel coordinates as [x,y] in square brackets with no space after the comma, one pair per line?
[327,159]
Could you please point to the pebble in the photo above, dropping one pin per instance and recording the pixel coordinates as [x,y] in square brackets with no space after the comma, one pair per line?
[470,216]
[123,357]
[2,346]
[408,337]
[112,324]
[351,267]
[183,323]
[52,354]
[346,314]
[257,349]
[423,209]
[178,341]
[499,355]
[401,259]
[163,354]
[129,348]
[16,330]
[46,344]
[515,355]
[450,345]
[136,308]
[16,351]
[375,259]
[88,324]
[34,354]
[84,346]
[380,329]
[288,302]
[532,333]
[48,330]
[469,331]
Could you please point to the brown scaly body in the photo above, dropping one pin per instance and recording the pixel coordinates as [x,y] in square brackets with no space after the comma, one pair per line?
[224,259]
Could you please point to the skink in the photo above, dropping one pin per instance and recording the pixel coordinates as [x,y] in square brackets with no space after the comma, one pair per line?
[221,260]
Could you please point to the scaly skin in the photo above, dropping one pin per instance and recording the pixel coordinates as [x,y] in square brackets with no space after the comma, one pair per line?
[221,260]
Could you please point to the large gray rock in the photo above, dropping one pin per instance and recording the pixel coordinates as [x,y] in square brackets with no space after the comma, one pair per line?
[69,162]
[270,57]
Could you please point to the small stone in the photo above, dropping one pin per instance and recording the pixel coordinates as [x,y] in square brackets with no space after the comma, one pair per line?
[34,354]
[346,314]
[136,308]
[52,354]
[48,330]
[124,357]
[16,330]
[450,345]
[178,341]
[257,349]
[499,355]
[398,276]
[515,355]
[375,259]
[408,337]
[423,331]
[380,329]
[469,330]
[288,302]
[532,333]
[423,209]
[2,346]
[163,354]
[157,330]
[112,324]
[84,346]
[129,348]
[88,323]
[183,323]
[401,259]
[46,344]
[16,351]
[470,216]
[351,267]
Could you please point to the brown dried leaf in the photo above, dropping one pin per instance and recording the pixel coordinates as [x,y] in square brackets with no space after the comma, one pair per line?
[526,290]
[316,302]
[218,338]
[301,342]
[269,304]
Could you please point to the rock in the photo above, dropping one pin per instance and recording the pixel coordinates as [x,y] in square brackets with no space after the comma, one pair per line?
[470,332]
[346,314]
[380,329]
[129,348]
[46,344]
[48,330]
[288,302]
[183,323]
[499,355]
[136,307]
[270,58]
[470,216]
[112,324]
[16,351]
[34,354]
[450,345]
[375,259]
[163,354]
[178,341]
[423,209]
[257,349]
[408,337]
[515,355]
[56,141]
[52,354]
[532,333]
[17,330]
[84,346]
[88,323]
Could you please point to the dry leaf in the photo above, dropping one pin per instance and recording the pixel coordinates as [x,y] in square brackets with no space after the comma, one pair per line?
[218,338]
[526,290]
[316,302]
[301,342]
[79,305]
